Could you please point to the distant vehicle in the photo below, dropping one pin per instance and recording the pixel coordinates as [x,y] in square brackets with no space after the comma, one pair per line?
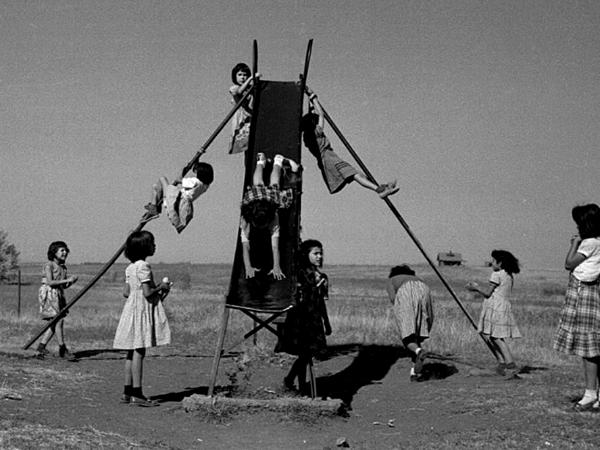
[449,259]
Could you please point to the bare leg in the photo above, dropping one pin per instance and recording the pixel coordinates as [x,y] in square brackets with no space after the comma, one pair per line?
[590,370]
[60,335]
[48,334]
[505,350]
[257,179]
[137,367]
[275,175]
[365,182]
[128,372]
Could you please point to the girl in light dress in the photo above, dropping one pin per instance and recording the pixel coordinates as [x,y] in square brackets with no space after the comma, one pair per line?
[579,328]
[496,320]
[242,81]
[143,322]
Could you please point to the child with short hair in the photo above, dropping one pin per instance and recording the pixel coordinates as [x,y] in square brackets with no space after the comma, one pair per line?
[579,327]
[51,296]
[335,171]
[143,323]
[412,307]
[496,319]
[177,197]
[259,211]
[242,81]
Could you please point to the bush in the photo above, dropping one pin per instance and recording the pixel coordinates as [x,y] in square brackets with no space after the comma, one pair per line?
[9,257]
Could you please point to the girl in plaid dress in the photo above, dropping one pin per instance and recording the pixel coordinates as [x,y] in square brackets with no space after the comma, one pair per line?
[579,328]
[496,319]
[259,213]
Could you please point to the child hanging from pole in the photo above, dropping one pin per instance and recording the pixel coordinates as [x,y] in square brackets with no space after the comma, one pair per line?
[411,300]
[52,296]
[242,81]
[177,197]
[259,208]
[336,172]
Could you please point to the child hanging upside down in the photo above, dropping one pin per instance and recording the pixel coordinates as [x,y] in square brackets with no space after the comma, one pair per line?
[259,211]
[336,172]
[177,197]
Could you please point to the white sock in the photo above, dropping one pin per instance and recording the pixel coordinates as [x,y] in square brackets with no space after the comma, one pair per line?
[418,350]
[278,160]
[412,371]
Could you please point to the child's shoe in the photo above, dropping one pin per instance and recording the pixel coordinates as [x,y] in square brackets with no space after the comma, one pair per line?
[142,402]
[152,212]
[288,384]
[420,361]
[41,351]
[387,189]
[64,352]
[261,159]
[125,399]
[501,369]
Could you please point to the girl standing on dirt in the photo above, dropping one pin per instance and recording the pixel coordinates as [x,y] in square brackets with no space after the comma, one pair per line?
[579,328]
[242,81]
[143,322]
[308,323]
[496,320]
[411,300]
[51,296]
[335,171]
[259,212]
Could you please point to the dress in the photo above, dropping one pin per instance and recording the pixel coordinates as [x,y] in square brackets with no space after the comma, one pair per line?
[579,327]
[240,123]
[303,332]
[412,305]
[52,299]
[496,317]
[143,321]
[179,199]
[335,171]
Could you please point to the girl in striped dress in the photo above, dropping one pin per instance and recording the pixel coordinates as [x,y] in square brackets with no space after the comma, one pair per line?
[496,319]
[579,328]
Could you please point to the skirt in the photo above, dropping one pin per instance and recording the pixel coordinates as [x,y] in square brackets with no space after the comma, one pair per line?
[336,172]
[497,320]
[413,310]
[579,327]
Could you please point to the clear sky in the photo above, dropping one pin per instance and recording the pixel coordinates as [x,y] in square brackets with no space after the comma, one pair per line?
[486,112]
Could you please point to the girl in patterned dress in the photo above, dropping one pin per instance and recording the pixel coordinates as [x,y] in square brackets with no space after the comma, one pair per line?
[579,328]
[335,171]
[51,296]
[411,300]
[496,320]
[143,322]
[307,324]
[259,212]
[242,81]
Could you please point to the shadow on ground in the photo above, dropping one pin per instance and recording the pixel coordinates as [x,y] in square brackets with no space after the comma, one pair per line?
[371,364]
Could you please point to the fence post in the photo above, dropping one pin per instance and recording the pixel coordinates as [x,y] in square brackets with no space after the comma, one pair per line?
[19,294]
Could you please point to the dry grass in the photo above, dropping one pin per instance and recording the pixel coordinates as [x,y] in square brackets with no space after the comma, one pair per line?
[358,308]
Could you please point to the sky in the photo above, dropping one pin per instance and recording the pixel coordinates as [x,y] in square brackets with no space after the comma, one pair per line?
[486,112]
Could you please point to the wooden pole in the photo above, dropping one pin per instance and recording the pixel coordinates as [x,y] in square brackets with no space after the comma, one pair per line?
[19,294]
[493,348]
[219,350]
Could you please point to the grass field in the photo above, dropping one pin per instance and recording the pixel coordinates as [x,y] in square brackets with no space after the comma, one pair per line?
[358,308]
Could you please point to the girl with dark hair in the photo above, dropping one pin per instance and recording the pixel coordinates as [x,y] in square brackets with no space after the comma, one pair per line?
[496,319]
[259,212]
[411,300]
[178,196]
[579,328]
[51,296]
[308,323]
[335,171]
[242,80]
[143,322]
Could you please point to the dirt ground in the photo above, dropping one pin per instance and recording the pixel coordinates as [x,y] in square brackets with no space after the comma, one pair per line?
[60,404]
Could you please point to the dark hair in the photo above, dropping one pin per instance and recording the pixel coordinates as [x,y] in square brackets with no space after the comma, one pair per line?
[587,218]
[507,261]
[308,122]
[239,67]
[139,245]
[259,213]
[305,248]
[403,269]
[204,172]
[54,247]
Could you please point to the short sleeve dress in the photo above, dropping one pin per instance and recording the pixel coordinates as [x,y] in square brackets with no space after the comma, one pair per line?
[143,322]
[52,299]
[240,123]
[496,317]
